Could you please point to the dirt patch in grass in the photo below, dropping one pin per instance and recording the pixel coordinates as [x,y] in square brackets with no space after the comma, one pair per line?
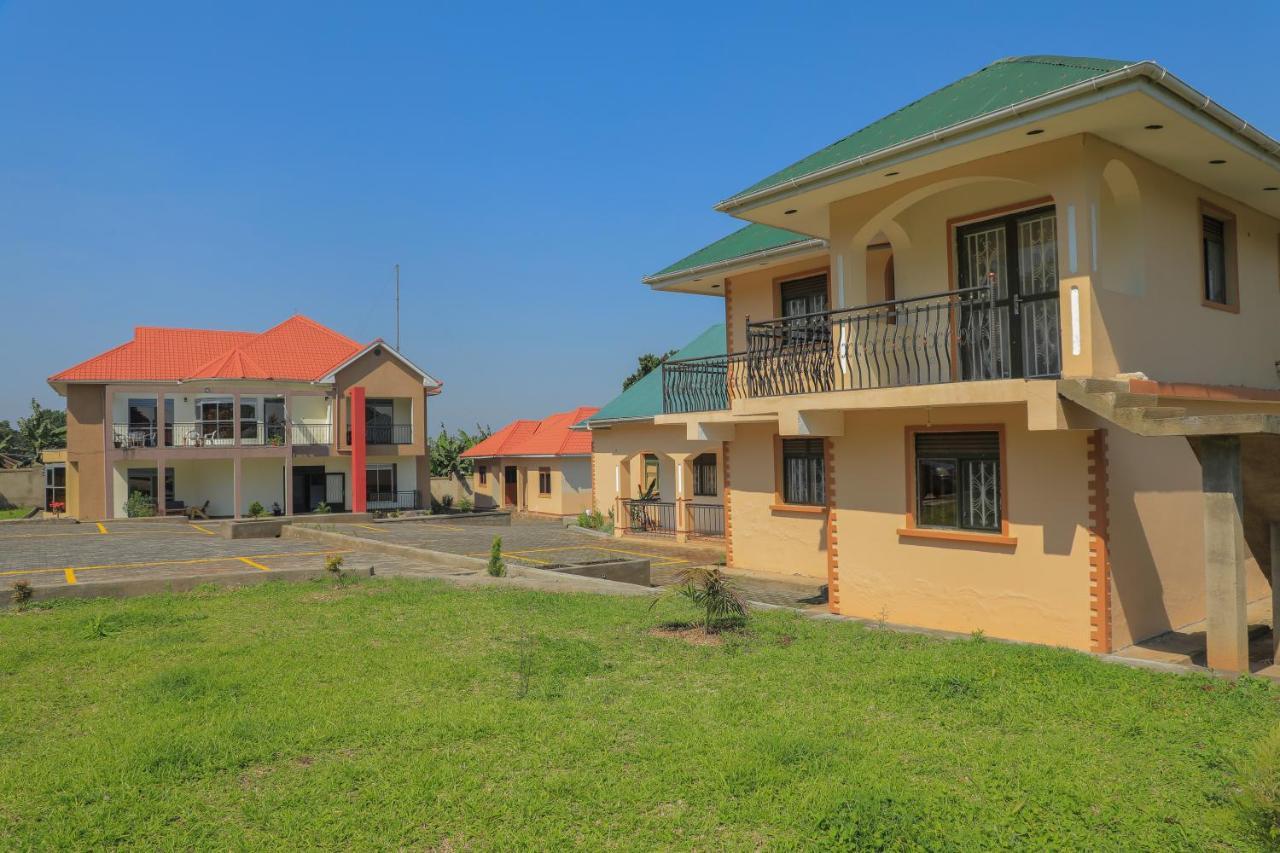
[694,635]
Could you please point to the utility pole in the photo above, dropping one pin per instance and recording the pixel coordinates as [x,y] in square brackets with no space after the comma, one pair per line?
[397,308]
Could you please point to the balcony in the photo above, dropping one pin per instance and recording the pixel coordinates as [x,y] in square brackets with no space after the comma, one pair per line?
[217,434]
[954,336]
[400,500]
[383,433]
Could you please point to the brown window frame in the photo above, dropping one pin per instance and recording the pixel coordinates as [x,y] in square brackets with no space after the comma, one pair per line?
[1230,259]
[544,482]
[703,478]
[780,503]
[911,529]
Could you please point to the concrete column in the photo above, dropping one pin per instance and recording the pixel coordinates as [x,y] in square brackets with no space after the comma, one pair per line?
[288,423]
[236,473]
[288,483]
[683,489]
[1227,631]
[161,421]
[358,449]
[160,494]
[235,427]
[1275,589]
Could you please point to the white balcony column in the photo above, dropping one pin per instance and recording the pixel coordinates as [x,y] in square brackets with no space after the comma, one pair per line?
[235,430]
[288,483]
[237,477]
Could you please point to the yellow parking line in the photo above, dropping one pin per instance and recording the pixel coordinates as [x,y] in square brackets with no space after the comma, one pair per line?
[153,563]
[370,527]
[102,528]
[249,562]
[204,530]
[513,555]
[70,575]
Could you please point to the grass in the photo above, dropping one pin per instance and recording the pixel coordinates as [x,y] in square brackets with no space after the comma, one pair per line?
[14,512]
[410,714]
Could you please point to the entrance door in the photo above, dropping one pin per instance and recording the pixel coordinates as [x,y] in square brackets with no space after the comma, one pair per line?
[308,488]
[1018,256]
[509,479]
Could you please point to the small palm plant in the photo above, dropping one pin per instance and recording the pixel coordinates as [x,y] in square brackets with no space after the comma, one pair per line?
[711,590]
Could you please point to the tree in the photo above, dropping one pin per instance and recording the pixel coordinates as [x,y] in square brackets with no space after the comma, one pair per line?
[447,450]
[646,364]
[45,429]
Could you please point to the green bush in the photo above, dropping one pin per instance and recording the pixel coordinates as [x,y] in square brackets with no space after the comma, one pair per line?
[20,593]
[1260,787]
[593,519]
[465,505]
[257,510]
[497,567]
[322,508]
[139,506]
[711,590]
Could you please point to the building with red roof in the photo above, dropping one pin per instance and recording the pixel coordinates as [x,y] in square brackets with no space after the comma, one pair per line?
[210,423]
[541,467]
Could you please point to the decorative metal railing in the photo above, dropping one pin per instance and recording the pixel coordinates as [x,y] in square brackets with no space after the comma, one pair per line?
[706,520]
[649,516]
[127,436]
[393,500]
[953,336]
[703,384]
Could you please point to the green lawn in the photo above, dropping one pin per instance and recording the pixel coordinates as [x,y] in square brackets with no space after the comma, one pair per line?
[401,714]
[14,512]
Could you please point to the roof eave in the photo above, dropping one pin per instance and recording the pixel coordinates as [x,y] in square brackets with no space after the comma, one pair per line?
[662,282]
[1267,146]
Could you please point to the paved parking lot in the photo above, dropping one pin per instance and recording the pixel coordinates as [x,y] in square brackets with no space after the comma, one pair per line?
[541,544]
[47,554]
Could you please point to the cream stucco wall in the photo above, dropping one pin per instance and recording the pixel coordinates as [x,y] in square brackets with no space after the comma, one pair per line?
[619,462]
[570,484]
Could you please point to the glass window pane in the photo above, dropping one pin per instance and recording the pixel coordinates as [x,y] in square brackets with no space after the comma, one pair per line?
[937,493]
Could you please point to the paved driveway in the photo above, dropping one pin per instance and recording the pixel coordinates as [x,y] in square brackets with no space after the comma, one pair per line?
[47,554]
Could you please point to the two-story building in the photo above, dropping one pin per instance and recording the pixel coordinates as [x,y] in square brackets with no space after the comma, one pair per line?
[295,418]
[1005,359]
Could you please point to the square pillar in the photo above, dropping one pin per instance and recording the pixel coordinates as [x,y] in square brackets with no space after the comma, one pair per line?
[288,484]
[1275,589]
[161,499]
[684,474]
[236,478]
[1227,627]
[235,426]
[358,449]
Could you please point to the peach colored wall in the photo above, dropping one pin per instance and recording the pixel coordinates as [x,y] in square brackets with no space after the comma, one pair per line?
[385,376]
[753,295]
[1037,590]
[624,445]
[570,484]
[86,469]
[765,539]
[1157,538]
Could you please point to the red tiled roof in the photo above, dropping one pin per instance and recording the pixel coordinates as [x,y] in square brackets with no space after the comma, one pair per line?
[298,349]
[551,436]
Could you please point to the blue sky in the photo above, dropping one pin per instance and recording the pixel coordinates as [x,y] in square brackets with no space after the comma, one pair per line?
[225,165]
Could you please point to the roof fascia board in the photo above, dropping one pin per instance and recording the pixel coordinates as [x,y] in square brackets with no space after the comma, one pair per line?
[662,282]
[1038,108]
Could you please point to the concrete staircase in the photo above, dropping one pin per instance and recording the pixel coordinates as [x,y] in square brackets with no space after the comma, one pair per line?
[1143,414]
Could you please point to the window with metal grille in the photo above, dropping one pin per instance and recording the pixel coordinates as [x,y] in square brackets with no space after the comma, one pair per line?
[804,476]
[1214,236]
[544,481]
[704,476]
[801,299]
[958,480]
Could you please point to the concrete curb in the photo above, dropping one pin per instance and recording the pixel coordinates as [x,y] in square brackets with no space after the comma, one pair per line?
[132,587]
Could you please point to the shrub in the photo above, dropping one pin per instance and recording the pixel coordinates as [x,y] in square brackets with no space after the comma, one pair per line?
[257,510]
[497,567]
[139,506]
[593,519]
[21,593]
[465,505]
[333,565]
[1260,787]
[709,588]
[322,508]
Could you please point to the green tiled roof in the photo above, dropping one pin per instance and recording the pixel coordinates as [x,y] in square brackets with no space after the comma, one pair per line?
[644,398]
[745,241]
[999,85]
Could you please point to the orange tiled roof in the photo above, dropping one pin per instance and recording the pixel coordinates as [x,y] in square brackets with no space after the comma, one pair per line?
[550,436]
[298,349]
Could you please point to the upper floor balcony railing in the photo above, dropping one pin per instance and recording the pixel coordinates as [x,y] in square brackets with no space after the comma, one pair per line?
[385,434]
[954,336]
[216,434]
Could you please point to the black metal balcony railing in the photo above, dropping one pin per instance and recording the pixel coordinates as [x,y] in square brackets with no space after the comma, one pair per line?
[393,500]
[649,516]
[706,520]
[954,336]
[311,435]
[386,434]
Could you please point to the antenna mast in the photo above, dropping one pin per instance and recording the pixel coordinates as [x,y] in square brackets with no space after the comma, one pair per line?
[397,308]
